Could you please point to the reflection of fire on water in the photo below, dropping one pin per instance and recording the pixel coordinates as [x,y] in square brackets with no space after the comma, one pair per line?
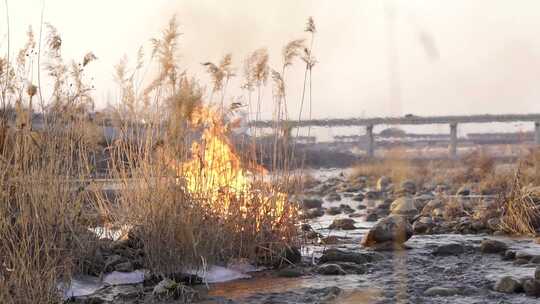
[215,174]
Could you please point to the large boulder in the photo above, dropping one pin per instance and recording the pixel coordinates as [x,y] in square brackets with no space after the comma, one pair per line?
[404,206]
[493,246]
[531,287]
[507,284]
[394,229]
[339,256]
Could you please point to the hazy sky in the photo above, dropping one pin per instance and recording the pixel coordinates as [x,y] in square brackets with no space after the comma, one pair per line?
[480,56]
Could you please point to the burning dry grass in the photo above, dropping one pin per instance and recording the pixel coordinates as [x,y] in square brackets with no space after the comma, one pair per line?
[188,197]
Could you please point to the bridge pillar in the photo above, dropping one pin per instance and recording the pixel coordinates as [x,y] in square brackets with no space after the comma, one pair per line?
[370,141]
[537,133]
[452,148]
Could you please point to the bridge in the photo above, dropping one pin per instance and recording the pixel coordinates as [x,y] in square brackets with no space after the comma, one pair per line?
[369,123]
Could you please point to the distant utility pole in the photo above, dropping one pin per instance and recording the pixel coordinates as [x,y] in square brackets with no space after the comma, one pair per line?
[393,59]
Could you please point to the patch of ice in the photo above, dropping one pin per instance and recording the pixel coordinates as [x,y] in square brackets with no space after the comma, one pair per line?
[82,286]
[219,274]
[243,266]
[123,278]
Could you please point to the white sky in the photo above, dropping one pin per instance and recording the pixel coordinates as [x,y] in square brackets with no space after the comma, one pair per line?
[489,49]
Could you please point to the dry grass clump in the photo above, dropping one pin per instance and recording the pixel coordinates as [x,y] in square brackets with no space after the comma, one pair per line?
[476,167]
[394,166]
[520,213]
[185,191]
[43,199]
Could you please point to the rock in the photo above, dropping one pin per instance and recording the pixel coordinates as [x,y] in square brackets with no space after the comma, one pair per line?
[333,197]
[168,289]
[535,260]
[464,191]
[165,288]
[422,225]
[330,269]
[358,197]
[306,228]
[311,235]
[438,212]
[507,284]
[537,273]
[531,287]
[312,213]
[111,261]
[361,207]
[346,208]
[333,211]
[449,249]
[523,255]
[493,223]
[477,225]
[372,216]
[353,268]
[342,224]
[311,202]
[330,240]
[441,292]
[521,261]
[493,246]
[422,200]
[404,206]
[336,255]
[373,195]
[432,205]
[509,255]
[407,187]
[394,229]
[290,272]
[314,295]
[124,267]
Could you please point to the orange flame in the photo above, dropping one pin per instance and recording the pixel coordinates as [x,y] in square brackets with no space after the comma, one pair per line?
[215,173]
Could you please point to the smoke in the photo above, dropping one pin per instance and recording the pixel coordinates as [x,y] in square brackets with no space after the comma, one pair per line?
[460,57]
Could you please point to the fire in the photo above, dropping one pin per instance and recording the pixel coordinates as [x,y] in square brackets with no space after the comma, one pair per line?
[215,173]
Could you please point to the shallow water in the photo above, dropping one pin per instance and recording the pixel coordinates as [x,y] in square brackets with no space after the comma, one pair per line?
[402,277]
